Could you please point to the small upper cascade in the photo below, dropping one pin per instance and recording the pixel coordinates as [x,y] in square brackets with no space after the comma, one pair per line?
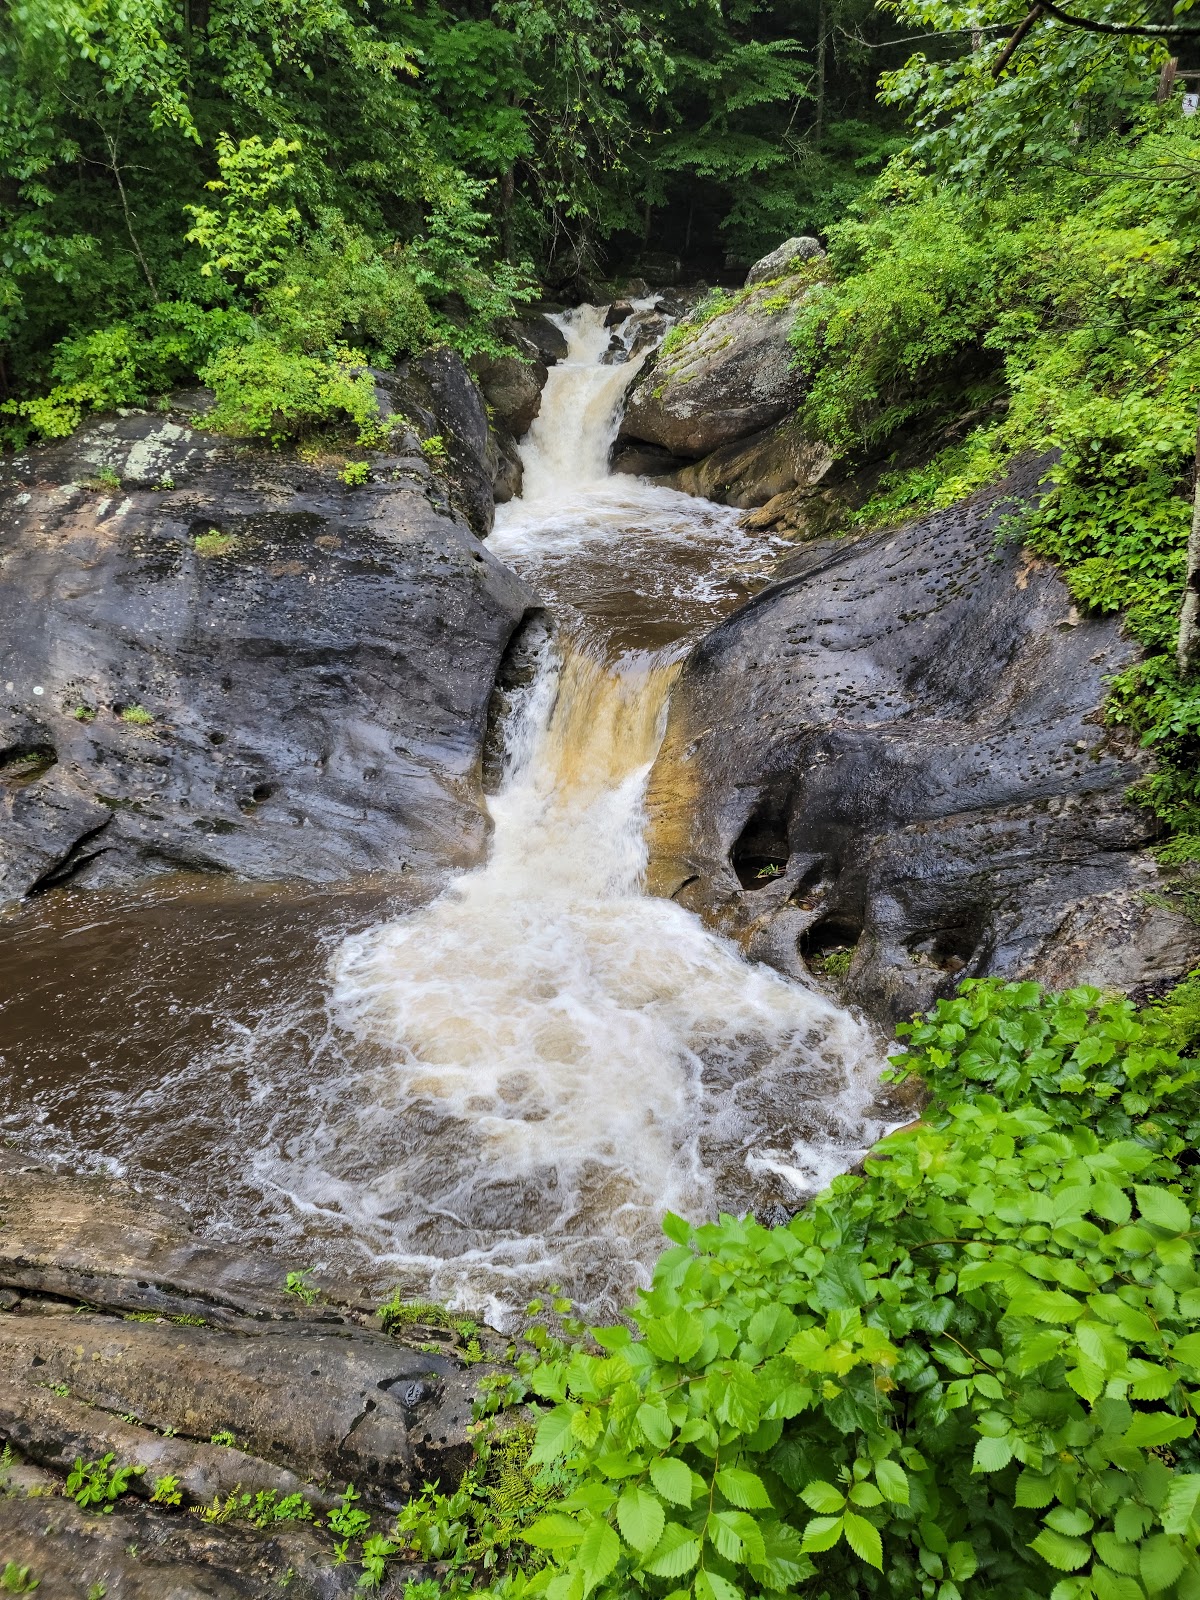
[572,436]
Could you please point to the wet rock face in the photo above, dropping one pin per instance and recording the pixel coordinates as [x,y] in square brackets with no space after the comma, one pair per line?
[732,377]
[751,472]
[219,659]
[898,750]
[225,1382]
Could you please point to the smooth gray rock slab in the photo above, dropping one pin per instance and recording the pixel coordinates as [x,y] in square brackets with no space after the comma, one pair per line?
[318,690]
[900,748]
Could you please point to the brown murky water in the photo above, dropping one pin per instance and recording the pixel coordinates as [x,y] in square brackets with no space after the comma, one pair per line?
[509,1085]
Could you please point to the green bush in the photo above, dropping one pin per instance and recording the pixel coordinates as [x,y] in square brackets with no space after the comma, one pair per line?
[970,1372]
[340,288]
[1049,314]
[264,391]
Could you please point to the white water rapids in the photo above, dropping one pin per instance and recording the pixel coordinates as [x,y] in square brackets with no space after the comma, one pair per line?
[557,1057]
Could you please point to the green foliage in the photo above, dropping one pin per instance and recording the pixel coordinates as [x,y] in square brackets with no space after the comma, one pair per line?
[1052,313]
[223,1436]
[834,963]
[166,1490]
[262,1510]
[1179,1012]
[137,716]
[355,473]
[214,543]
[297,1284]
[1064,88]
[17,1580]
[248,238]
[967,1372]
[264,391]
[339,288]
[97,1484]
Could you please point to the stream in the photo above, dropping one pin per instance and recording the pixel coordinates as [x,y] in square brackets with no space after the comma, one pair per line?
[504,1087]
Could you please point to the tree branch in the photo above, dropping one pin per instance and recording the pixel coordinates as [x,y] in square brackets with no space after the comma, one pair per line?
[1149,30]
[1022,29]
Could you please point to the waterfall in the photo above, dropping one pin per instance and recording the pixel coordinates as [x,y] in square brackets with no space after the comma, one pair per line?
[557,1058]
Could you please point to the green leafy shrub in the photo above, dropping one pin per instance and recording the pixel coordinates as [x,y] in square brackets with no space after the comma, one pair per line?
[127,362]
[340,288]
[1048,313]
[248,235]
[98,1483]
[969,1373]
[166,1490]
[264,391]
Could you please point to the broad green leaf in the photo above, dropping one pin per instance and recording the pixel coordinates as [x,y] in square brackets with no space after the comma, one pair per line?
[598,1553]
[1179,1507]
[672,1479]
[640,1518]
[863,1538]
[991,1455]
[743,1488]
[654,1422]
[554,1436]
[1115,1586]
[675,1337]
[1152,1428]
[676,1228]
[711,1586]
[676,1552]
[1111,1203]
[865,1494]
[823,1497]
[770,1328]
[1163,1209]
[587,1424]
[1034,1490]
[1187,1349]
[1162,1560]
[1073,1520]
[962,1561]
[554,1532]
[1063,1553]
[822,1533]
[893,1481]
[1116,1554]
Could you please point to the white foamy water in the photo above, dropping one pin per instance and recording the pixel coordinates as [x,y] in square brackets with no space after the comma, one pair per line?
[553,1058]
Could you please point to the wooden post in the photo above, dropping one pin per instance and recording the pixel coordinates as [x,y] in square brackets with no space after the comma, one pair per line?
[1188,654]
[1166,81]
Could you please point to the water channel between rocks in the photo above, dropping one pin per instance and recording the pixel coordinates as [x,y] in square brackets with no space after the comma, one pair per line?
[507,1086]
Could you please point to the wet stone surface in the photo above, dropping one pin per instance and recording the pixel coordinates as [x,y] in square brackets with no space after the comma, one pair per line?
[898,750]
[217,659]
[229,1384]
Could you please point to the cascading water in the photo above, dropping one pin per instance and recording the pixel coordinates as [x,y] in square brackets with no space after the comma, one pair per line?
[561,1057]
[506,1087]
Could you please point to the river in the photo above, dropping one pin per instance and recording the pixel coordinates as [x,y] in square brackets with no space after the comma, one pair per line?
[504,1087]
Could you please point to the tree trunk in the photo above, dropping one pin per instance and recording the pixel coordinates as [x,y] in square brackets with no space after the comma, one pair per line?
[507,185]
[822,34]
[1189,615]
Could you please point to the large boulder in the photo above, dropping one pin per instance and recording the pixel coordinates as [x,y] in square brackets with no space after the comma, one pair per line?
[786,257]
[731,376]
[221,659]
[750,472]
[898,750]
